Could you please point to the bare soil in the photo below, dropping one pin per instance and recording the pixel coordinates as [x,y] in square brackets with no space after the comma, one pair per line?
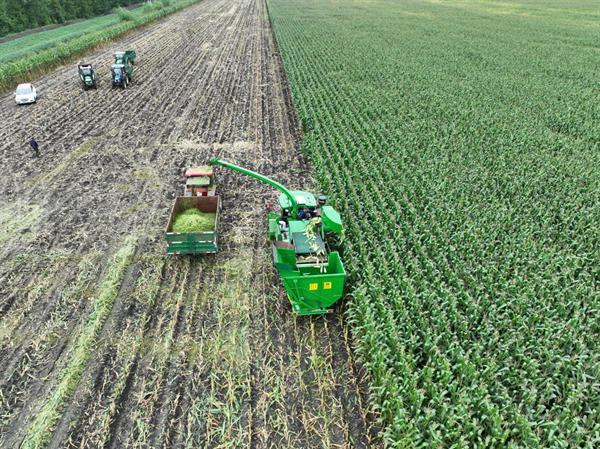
[197,351]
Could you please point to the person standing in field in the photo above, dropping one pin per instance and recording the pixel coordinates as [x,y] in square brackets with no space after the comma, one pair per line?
[35,147]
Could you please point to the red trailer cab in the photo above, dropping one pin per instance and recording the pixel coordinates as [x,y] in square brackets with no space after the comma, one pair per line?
[199,181]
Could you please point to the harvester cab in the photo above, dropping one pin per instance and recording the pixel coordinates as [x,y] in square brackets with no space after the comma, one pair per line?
[304,235]
[122,69]
[87,75]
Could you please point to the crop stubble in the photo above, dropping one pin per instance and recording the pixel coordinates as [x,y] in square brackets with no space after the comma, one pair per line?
[194,352]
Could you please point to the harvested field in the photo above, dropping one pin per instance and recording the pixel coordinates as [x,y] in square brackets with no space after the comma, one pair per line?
[104,340]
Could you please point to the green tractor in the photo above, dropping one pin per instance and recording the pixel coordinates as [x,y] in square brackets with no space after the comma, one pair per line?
[87,75]
[304,234]
[122,69]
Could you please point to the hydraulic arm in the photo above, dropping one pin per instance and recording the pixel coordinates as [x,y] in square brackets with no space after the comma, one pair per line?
[262,178]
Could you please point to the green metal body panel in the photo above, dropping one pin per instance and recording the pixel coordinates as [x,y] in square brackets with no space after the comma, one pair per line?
[313,276]
[306,247]
[198,181]
[272,228]
[87,75]
[193,242]
[125,61]
[313,288]
[303,199]
[297,225]
[331,220]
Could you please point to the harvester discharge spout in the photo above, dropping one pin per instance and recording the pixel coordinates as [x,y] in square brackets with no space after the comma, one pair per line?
[263,178]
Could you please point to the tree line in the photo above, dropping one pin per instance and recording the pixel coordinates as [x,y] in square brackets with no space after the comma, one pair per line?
[20,15]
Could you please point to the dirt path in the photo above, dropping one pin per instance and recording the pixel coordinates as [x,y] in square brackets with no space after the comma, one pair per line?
[193,352]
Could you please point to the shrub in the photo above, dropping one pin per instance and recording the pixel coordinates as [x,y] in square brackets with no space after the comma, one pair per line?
[124,14]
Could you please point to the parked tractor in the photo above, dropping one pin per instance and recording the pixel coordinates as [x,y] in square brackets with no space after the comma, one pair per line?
[87,75]
[122,69]
[304,234]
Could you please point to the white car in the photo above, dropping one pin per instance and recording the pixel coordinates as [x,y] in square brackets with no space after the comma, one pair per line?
[25,94]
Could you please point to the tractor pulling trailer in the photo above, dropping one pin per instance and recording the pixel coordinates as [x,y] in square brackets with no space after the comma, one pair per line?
[122,70]
[304,234]
[199,194]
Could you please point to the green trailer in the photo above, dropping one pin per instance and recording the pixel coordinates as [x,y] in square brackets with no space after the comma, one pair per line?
[204,242]
[304,236]
[125,57]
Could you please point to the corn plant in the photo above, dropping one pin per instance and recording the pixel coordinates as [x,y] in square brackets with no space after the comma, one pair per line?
[460,140]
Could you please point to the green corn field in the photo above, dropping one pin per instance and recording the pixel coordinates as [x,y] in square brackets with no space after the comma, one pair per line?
[461,141]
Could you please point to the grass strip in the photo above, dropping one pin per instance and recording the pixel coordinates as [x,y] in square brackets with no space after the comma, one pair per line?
[39,63]
[40,431]
[25,46]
